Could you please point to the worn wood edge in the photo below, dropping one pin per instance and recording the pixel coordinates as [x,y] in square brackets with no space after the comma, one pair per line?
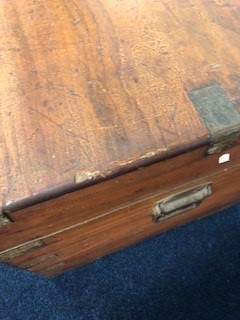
[146,160]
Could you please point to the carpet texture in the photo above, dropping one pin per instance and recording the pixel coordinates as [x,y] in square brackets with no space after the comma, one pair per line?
[192,272]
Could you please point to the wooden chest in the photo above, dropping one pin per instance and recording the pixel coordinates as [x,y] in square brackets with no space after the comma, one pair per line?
[119,120]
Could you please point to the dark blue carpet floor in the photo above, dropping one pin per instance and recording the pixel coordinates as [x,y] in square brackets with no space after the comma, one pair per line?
[192,272]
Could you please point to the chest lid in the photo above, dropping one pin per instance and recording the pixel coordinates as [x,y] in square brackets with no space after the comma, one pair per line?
[93,89]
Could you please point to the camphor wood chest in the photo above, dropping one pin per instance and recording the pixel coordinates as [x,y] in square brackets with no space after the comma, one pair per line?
[119,120]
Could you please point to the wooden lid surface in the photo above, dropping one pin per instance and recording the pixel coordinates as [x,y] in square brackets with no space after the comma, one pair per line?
[93,88]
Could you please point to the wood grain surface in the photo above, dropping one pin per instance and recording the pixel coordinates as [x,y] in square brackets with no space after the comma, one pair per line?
[90,88]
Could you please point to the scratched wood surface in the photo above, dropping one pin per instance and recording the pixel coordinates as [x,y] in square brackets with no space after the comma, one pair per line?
[89,88]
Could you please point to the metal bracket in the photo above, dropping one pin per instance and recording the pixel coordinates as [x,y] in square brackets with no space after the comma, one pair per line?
[223,144]
[7,255]
[4,220]
[219,115]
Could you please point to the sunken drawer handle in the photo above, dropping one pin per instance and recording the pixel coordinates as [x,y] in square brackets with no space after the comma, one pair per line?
[180,203]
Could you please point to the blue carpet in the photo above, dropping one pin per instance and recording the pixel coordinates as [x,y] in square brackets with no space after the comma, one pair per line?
[192,272]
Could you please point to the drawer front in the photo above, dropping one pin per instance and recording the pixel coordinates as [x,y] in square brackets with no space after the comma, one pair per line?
[79,207]
[88,241]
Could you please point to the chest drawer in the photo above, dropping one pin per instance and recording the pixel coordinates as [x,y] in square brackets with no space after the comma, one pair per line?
[89,240]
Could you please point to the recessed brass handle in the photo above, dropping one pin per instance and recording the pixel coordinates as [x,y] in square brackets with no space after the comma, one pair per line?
[180,203]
